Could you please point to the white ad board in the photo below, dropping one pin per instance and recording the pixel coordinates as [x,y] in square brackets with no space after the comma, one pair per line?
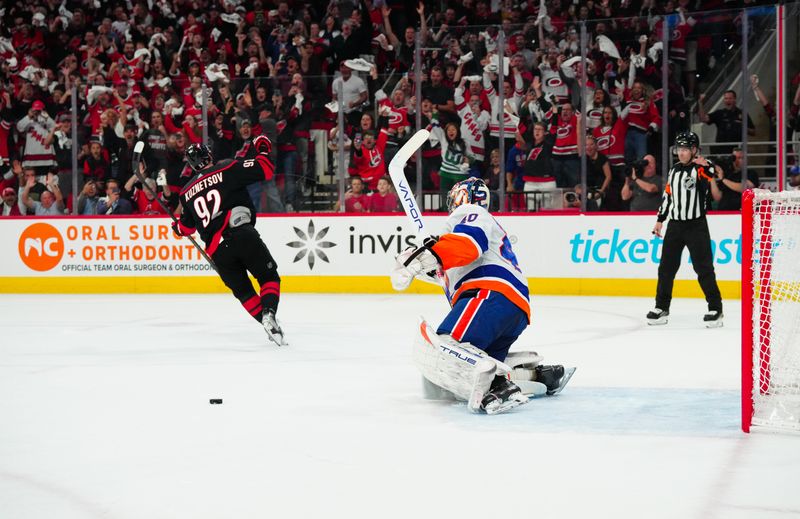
[590,247]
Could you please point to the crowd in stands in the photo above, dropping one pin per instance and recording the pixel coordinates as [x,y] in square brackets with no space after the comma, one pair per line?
[155,70]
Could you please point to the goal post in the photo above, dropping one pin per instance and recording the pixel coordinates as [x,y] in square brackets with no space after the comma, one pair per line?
[771,310]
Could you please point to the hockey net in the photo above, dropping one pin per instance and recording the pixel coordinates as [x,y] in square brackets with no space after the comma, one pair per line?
[771,310]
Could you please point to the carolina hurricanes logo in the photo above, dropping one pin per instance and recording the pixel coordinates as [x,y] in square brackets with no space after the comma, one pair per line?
[564,131]
[676,34]
[395,118]
[605,142]
[375,159]
[554,82]
[636,107]
[534,154]
[595,114]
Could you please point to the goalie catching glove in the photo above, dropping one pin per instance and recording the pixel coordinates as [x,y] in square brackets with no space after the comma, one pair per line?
[413,262]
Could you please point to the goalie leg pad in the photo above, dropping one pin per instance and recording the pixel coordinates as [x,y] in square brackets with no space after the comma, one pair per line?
[462,369]
[431,391]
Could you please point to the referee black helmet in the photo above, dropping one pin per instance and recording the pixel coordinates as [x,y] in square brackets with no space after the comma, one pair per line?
[687,140]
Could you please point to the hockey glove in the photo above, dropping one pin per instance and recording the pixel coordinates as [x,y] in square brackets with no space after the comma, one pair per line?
[412,262]
[181,230]
[262,144]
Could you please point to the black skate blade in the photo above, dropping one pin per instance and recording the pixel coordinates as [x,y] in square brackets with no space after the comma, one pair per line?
[568,372]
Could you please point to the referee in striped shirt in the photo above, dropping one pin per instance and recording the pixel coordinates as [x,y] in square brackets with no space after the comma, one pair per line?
[687,197]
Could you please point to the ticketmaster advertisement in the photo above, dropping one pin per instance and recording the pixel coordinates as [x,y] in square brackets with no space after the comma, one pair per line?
[604,254]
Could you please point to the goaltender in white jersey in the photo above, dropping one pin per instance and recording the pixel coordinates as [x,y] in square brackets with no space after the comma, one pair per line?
[468,353]
[479,256]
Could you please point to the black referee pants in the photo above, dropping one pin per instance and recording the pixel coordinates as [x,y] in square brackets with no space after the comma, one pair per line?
[242,251]
[694,235]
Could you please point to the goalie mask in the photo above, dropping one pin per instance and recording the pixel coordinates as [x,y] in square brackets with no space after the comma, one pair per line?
[470,191]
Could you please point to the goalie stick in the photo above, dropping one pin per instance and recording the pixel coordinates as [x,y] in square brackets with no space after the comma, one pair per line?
[397,174]
[137,158]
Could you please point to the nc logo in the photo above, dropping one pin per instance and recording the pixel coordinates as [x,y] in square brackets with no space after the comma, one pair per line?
[41,247]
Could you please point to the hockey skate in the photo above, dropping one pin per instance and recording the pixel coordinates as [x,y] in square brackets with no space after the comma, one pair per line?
[273,328]
[657,316]
[554,377]
[713,319]
[503,396]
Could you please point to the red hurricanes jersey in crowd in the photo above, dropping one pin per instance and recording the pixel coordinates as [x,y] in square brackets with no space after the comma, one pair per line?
[677,38]
[146,206]
[611,141]
[398,117]
[133,64]
[566,133]
[369,163]
[641,114]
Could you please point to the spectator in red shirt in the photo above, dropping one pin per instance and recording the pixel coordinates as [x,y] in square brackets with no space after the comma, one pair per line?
[355,199]
[384,200]
[610,135]
[368,159]
[144,200]
[566,127]
[642,118]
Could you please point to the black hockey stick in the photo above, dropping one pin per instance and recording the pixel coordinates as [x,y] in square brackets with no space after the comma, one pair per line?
[137,157]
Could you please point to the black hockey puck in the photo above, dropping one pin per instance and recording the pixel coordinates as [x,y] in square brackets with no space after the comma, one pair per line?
[215,401]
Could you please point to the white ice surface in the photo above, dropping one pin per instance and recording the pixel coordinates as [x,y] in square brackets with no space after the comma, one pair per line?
[104,412]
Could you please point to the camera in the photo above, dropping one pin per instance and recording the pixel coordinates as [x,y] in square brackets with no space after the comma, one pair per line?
[571,197]
[637,165]
[723,163]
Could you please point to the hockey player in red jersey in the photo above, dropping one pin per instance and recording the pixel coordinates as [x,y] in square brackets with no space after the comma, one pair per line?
[217,205]
[468,354]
